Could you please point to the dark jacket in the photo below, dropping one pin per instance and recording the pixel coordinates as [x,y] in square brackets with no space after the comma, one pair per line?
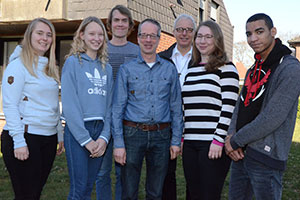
[268,137]
[167,54]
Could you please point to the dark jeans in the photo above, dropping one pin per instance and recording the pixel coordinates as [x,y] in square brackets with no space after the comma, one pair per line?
[154,146]
[249,177]
[205,177]
[29,177]
[169,188]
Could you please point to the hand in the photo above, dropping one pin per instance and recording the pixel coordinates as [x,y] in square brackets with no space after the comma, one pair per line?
[215,151]
[237,154]
[21,153]
[92,146]
[174,151]
[60,149]
[120,155]
[228,147]
[181,148]
[101,148]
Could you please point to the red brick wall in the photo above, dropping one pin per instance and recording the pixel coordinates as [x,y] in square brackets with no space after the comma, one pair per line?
[165,42]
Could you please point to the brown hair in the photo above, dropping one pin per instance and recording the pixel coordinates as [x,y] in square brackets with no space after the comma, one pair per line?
[218,57]
[124,11]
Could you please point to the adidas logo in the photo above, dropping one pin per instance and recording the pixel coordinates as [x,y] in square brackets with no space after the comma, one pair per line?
[98,81]
[97,90]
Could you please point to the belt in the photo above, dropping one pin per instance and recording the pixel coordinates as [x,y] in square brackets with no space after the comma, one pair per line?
[26,128]
[146,127]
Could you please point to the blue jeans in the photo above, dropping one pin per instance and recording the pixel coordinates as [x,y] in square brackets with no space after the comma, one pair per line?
[249,177]
[154,145]
[82,168]
[103,182]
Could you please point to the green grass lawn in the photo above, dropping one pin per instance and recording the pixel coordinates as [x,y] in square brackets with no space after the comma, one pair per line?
[58,182]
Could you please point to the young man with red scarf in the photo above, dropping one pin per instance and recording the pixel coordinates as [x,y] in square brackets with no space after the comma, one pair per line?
[262,126]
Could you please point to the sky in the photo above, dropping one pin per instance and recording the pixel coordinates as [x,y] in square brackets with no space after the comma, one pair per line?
[285,15]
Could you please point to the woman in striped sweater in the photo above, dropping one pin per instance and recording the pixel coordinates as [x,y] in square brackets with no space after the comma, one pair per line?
[209,95]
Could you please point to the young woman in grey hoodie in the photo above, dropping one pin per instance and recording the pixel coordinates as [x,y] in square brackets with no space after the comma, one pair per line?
[86,99]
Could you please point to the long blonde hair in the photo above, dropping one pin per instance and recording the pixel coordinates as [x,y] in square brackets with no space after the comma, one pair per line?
[78,45]
[30,58]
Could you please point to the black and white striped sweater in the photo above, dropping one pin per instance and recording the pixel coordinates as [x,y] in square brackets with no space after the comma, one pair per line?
[209,99]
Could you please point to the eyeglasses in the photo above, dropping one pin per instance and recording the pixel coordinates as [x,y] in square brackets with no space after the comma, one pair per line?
[145,36]
[181,30]
[206,37]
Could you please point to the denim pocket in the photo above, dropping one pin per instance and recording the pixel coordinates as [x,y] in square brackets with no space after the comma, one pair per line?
[129,131]
[165,134]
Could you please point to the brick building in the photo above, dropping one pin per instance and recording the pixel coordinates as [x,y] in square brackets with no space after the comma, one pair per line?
[66,16]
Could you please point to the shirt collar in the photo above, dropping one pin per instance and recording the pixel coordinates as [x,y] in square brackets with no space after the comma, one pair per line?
[141,59]
[176,51]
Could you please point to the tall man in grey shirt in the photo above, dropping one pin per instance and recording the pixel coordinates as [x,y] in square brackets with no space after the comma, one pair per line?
[120,51]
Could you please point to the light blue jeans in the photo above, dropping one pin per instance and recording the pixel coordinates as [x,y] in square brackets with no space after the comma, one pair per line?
[103,182]
[249,177]
[82,168]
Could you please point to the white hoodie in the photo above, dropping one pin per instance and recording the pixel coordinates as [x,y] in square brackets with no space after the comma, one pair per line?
[30,100]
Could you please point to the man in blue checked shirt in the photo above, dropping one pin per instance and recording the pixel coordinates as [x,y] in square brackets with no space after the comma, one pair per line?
[146,106]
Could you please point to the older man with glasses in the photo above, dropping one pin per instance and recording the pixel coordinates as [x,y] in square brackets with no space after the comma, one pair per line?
[180,53]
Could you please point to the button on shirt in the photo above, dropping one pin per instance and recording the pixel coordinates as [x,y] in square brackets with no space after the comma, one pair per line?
[147,95]
[181,63]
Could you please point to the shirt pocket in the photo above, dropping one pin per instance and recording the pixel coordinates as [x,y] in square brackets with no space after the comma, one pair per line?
[164,87]
[136,88]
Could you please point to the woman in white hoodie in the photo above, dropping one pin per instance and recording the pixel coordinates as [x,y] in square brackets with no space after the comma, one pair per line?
[31,108]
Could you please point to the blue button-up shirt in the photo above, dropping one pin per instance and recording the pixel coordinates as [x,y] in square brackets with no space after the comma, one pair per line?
[147,95]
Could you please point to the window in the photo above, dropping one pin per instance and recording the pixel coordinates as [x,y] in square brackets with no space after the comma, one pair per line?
[214,11]
[200,15]
[8,48]
[201,10]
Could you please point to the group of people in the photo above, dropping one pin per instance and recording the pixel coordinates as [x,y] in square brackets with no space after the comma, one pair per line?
[125,101]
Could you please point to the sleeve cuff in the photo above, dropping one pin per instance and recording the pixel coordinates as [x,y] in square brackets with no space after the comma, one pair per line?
[218,143]
[85,142]
[119,142]
[104,138]
[234,145]
[19,141]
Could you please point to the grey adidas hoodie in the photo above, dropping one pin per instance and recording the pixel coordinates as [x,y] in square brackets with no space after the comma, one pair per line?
[86,92]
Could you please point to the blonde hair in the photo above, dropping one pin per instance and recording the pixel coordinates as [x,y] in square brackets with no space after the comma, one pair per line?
[30,58]
[78,45]
[218,57]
